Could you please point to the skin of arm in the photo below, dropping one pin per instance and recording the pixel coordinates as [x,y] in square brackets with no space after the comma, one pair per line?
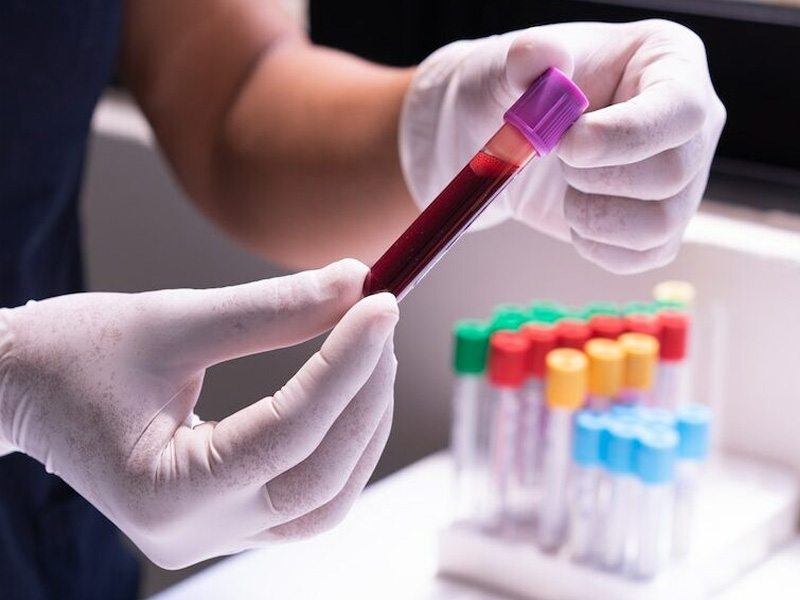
[289,147]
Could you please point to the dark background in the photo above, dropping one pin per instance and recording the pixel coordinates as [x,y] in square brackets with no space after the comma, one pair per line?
[753,53]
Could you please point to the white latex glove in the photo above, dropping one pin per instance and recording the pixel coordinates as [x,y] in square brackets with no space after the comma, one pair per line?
[100,388]
[626,178]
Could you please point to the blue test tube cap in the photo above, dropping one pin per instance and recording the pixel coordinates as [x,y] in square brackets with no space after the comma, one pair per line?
[694,429]
[619,409]
[651,415]
[589,427]
[618,443]
[655,455]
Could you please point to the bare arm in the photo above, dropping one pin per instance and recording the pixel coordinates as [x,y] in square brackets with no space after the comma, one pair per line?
[289,147]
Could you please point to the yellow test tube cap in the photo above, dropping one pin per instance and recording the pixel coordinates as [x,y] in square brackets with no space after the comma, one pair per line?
[566,378]
[674,292]
[606,366]
[641,359]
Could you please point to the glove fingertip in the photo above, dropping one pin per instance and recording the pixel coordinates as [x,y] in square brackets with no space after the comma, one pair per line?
[530,54]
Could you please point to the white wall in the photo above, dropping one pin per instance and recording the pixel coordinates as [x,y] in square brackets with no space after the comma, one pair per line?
[141,233]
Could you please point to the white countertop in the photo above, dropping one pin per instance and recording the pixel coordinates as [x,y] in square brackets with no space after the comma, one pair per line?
[386,550]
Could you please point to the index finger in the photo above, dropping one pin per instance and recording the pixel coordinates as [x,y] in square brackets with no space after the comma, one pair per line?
[268,437]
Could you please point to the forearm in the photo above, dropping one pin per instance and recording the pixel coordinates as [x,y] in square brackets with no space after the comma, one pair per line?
[291,148]
[307,166]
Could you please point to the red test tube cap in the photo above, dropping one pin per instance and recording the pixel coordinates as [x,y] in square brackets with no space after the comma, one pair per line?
[542,339]
[606,326]
[674,334]
[572,333]
[643,323]
[508,358]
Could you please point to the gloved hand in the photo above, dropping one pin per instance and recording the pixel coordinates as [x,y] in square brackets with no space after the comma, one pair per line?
[101,388]
[626,178]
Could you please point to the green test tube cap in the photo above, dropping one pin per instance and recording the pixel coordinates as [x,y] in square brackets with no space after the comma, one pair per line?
[508,322]
[471,340]
[510,316]
[601,308]
[639,308]
[548,313]
[676,305]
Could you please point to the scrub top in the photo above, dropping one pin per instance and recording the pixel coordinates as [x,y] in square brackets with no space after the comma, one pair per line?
[56,58]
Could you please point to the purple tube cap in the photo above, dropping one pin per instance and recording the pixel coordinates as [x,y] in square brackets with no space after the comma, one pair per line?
[547,109]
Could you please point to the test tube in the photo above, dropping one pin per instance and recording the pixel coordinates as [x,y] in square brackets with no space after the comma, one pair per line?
[565,392]
[694,424]
[572,333]
[656,451]
[468,435]
[606,370]
[584,484]
[617,506]
[672,383]
[507,369]
[641,359]
[532,126]
[679,295]
[542,340]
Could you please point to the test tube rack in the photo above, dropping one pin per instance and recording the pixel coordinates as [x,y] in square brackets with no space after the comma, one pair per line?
[747,509]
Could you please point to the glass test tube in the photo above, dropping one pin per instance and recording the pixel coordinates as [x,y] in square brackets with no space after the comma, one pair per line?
[620,493]
[606,371]
[584,485]
[679,296]
[565,392]
[672,379]
[533,126]
[507,370]
[542,340]
[656,451]
[467,442]
[694,424]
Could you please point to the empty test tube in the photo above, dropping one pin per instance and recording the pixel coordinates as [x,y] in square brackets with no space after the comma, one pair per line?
[565,392]
[584,484]
[468,434]
[532,126]
[694,425]
[655,455]
[542,340]
[507,370]
[671,381]
[620,492]
[606,371]
[641,360]
[680,296]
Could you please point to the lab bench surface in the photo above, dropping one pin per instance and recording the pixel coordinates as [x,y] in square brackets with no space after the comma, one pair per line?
[386,548]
